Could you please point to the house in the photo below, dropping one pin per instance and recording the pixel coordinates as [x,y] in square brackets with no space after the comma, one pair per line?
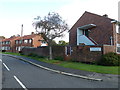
[93,29]
[8,44]
[33,40]
[16,43]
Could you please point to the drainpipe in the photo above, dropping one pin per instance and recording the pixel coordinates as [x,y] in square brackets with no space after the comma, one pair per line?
[111,40]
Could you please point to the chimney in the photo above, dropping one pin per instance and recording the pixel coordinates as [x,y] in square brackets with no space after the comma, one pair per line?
[105,15]
[32,33]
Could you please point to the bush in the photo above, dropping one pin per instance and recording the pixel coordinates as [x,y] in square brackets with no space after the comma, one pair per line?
[59,58]
[3,50]
[33,55]
[110,59]
[40,56]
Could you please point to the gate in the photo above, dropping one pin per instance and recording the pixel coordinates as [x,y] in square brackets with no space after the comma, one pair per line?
[68,52]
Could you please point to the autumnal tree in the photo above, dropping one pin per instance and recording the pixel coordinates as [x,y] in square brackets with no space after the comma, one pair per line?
[50,27]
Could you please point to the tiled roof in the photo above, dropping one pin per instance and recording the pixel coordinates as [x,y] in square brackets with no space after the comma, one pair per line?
[100,15]
[27,37]
[9,39]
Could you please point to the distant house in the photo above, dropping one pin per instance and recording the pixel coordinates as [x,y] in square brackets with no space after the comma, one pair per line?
[33,40]
[8,44]
[16,43]
[93,29]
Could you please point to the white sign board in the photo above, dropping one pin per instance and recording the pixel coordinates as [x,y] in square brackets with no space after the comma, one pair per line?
[95,48]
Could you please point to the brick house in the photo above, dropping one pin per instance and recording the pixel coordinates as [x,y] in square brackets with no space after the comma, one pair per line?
[93,29]
[33,40]
[16,43]
[8,44]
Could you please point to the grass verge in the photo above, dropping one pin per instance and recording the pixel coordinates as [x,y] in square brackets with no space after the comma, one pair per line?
[76,65]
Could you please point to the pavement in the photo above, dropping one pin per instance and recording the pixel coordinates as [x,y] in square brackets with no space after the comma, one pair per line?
[70,72]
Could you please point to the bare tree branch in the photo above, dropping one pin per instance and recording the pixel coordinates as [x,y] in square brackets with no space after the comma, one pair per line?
[50,27]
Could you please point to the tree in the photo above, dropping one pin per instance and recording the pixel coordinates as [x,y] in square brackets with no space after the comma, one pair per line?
[63,43]
[2,37]
[50,27]
[53,43]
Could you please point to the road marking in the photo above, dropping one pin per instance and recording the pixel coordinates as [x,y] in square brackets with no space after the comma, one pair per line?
[23,86]
[0,60]
[6,66]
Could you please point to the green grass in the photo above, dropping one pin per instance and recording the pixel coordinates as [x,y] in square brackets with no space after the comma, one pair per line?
[76,65]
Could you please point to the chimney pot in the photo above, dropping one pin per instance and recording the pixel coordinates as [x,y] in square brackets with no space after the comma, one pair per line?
[32,33]
[105,15]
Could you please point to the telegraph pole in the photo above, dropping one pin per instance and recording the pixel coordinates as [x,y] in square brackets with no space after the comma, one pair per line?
[21,36]
[21,30]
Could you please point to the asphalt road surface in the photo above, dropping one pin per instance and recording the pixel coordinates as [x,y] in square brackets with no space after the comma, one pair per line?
[19,74]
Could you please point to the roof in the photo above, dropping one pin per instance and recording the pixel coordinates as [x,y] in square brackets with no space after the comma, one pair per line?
[89,13]
[88,26]
[101,16]
[27,37]
[9,39]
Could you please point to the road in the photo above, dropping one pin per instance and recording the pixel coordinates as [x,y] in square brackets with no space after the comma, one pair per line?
[19,74]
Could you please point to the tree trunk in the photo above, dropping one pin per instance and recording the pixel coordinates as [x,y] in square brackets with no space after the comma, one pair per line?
[50,52]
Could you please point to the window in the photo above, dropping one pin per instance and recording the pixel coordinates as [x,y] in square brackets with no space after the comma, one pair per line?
[25,41]
[16,41]
[16,48]
[20,41]
[3,43]
[8,48]
[3,48]
[117,28]
[7,42]
[30,40]
[118,48]
[44,42]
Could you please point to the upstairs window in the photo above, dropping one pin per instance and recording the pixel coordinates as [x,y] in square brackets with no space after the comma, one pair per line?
[16,41]
[25,41]
[7,42]
[20,41]
[3,43]
[30,40]
[117,28]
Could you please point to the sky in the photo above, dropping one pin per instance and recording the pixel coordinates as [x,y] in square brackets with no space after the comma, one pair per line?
[14,13]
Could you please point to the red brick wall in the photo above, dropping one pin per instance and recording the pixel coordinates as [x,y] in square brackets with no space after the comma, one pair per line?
[108,48]
[83,54]
[80,53]
[101,33]
[36,41]
[44,51]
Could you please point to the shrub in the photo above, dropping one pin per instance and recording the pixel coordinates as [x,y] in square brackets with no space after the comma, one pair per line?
[110,59]
[40,56]
[59,58]
[3,50]
[33,55]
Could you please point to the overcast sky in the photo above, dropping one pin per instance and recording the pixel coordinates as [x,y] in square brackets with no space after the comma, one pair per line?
[13,13]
